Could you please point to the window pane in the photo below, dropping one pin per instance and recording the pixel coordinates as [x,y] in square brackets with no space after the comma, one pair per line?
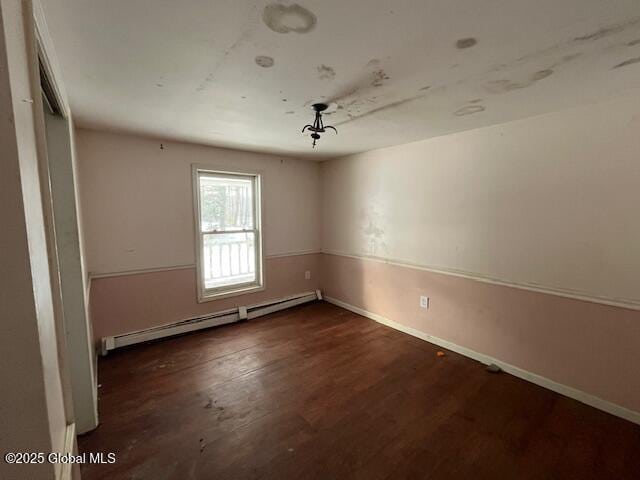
[226,203]
[228,259]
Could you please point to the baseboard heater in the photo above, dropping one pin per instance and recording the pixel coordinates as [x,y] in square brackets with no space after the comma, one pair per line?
[207,321]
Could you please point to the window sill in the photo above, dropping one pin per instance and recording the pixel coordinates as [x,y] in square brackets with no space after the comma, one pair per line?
[209,297]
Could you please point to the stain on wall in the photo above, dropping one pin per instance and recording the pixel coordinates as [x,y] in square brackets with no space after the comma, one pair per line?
[325,72]
[205,83]
[379,77]
[558,48]
[264,61]
[358,87]
[357,115]
[220,61]
[507,85]
[466,43]
[540,74]
[631,61]
[288,18]
[469,110]
[355,100]
[571,57]
[604,32]
[373,235]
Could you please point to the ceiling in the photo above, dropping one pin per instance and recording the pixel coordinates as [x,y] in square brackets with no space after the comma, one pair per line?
[243,74]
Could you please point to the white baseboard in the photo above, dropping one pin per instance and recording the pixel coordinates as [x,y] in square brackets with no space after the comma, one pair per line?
[565,390]
[213,319]
[66,469]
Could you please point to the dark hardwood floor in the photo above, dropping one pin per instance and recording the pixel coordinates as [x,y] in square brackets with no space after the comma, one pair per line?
[317,392]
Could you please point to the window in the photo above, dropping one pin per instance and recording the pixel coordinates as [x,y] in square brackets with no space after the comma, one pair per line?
[229,240]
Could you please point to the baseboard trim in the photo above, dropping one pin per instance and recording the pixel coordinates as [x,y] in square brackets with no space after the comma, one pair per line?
[559,292]
[201,322]
[565,390]
[66,470]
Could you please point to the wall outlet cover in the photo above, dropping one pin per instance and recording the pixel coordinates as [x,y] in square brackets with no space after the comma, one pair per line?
[424,302]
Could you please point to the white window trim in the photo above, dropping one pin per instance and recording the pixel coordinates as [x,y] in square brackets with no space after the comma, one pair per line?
[208,295]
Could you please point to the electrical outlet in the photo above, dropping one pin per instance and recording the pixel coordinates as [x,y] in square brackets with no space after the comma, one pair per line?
[424,302]
[307,275]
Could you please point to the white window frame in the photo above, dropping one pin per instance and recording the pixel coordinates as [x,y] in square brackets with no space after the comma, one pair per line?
[209,294]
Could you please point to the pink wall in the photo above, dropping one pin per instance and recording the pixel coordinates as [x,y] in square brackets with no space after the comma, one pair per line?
[584,345]
[126,303]
[587,346]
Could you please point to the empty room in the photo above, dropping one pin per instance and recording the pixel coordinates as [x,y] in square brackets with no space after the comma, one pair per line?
[273,239]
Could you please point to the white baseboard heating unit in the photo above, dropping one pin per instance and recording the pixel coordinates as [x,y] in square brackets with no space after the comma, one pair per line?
[207,321]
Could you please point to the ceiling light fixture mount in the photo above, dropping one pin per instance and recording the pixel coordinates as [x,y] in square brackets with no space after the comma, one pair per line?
[318,126]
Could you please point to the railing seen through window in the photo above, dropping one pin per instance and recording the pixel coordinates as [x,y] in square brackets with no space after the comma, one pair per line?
[229,243]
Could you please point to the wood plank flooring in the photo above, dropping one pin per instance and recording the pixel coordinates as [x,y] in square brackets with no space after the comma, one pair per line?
[317,392]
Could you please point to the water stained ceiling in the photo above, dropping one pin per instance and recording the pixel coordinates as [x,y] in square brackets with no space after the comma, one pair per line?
[243,74]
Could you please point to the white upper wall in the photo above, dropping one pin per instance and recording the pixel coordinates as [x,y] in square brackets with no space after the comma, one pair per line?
[550,201]
[137,202]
